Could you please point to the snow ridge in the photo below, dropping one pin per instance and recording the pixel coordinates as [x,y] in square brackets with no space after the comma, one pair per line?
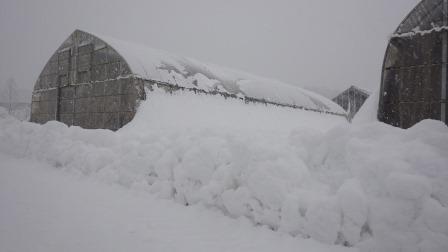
[416,31]
[371,186]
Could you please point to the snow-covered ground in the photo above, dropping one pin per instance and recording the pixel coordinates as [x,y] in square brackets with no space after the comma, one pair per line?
[300,174]
[47,210]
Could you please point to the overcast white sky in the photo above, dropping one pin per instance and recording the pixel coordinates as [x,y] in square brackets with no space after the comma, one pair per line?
[327,44]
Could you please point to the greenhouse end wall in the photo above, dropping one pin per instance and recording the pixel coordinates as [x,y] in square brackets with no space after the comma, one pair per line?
[414,72]
[86,83]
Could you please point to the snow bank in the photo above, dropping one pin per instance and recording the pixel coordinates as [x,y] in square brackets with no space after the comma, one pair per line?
[46,210]
[371,186]
[189,111]
[368,112]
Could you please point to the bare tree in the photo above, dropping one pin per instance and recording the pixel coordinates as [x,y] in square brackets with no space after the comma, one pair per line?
[11,92]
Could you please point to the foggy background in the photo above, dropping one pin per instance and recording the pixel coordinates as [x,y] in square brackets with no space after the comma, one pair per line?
[323,45]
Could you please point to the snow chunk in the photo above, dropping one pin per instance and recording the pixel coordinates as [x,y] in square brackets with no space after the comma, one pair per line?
[353,202]
[409,187]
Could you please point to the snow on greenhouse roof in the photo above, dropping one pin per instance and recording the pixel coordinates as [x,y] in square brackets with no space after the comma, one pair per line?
[158,65]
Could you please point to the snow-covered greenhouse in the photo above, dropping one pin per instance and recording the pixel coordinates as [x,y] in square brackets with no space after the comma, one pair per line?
[414,74]
[94,81]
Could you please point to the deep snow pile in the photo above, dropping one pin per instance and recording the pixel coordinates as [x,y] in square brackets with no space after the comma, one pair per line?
[373,186]
[48,210]
[369,110]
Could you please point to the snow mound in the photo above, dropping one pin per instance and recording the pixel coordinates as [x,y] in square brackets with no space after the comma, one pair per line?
[191,111]
[369,110]
[371,186]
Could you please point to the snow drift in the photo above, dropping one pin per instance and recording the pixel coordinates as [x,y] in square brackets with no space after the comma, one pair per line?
[369,110]
[47,210]
[371,186]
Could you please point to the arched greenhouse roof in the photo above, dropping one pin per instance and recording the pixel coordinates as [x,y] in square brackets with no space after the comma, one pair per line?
[427,15]
[153,64]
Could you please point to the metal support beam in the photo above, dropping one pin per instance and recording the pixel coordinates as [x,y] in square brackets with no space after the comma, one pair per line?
[444,63]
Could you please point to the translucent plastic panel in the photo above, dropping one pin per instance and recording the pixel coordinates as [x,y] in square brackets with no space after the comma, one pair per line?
[427,15]
[412,86]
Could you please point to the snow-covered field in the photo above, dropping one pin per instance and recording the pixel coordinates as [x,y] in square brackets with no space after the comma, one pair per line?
[241,169]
